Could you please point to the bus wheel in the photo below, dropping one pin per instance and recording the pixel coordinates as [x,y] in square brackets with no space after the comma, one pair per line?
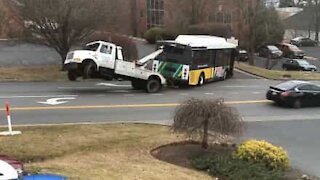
[224,77]
[153,86]
[201,80]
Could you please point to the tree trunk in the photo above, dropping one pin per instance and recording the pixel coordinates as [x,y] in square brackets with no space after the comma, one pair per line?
[205,134]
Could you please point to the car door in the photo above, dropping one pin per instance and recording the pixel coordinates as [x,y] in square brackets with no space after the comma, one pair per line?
[291,65]
[306,95]
[316,94]
[295,65]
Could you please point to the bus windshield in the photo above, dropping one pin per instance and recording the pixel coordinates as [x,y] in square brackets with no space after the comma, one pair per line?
[180,55]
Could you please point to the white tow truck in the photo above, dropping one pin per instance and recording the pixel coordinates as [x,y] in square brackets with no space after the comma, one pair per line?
[104,60]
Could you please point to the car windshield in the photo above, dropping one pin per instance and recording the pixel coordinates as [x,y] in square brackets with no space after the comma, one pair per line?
[273,48]
[297,38]
[303,62]
[92,47]
[294,48]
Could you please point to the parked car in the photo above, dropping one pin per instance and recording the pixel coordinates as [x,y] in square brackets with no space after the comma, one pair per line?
[44,177]
[7,171]
[242,55]
[270,51]
[298,65]
[17,165]
[290,50]
[295,94]
[303,41]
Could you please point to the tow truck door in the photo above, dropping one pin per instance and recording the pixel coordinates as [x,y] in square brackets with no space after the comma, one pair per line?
[106,56]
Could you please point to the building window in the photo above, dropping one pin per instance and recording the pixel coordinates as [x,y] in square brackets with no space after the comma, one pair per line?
[155,13]
[227,18]
[219,17]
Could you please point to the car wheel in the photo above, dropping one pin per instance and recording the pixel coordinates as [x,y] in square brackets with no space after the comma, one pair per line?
[201,80]
[153,86]
[88,70]
[297,104]
[72,76]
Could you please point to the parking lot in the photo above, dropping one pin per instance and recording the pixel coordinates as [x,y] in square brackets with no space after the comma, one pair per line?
[312,56]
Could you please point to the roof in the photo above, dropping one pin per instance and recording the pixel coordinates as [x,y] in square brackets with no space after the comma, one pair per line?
[209,42]
[299,21]
[100,42]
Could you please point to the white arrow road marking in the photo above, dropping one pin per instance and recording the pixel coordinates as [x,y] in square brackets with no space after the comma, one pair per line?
[56,101]
[112,85]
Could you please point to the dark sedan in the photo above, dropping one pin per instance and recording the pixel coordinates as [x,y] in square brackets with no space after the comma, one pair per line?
[295,94]
[298,65]
[270,51]
[303,41]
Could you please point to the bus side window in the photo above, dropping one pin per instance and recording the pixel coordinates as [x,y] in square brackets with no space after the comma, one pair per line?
[201,57]
[219,58]
[212,58]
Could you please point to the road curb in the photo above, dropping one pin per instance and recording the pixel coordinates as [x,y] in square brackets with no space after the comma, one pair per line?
[249,74]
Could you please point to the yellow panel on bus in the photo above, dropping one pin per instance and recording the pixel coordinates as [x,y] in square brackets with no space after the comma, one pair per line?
[195,74]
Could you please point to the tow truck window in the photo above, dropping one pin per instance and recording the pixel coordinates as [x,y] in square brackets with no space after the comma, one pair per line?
[92,47]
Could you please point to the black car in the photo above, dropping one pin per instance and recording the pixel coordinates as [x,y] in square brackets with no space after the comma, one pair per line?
[242,55]
[303,41]
[270,51]
[295,94]
[298,65]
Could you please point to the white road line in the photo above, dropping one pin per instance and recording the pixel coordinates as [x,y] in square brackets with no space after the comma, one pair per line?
[112,85]
[159,94]
[44,96]
[257,92]
[209,93]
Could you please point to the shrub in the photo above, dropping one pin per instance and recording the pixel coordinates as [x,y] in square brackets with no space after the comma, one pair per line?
[198,117]
[226,167]
[154,34]
[263,152]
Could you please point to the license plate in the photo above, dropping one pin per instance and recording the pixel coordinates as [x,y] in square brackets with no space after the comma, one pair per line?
[274,93]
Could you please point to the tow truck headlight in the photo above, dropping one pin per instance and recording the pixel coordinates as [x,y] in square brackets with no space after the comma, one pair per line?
[77,60]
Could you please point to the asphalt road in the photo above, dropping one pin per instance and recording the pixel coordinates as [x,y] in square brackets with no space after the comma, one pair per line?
[94,101]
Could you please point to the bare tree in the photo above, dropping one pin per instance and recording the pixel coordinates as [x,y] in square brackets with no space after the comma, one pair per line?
[196,116]
[313,8]
[260,26]
[61,24]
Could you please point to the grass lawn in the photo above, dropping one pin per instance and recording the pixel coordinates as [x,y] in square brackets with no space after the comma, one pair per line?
[33,73]
[278,75]
[109,151]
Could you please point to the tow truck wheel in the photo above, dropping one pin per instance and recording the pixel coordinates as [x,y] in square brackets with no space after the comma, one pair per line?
[153,86]
[72,76]
[88,70]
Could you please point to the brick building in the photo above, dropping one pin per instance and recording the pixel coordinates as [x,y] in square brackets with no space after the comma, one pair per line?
[175,13]
[134,17]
